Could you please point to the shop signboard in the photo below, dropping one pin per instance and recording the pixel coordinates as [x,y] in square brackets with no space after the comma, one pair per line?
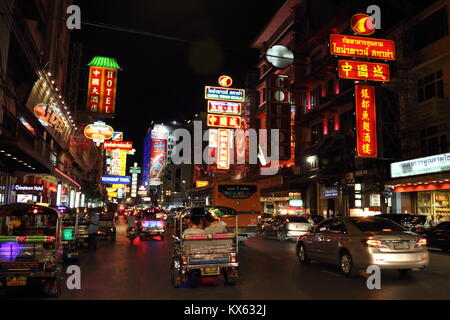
[363,70]
[431,164]
[109,179]
[122,145]
[360,47]
[224,94]
[330,193]
[222,121]
[366,123]
[223,156]
[98,131]
[363,24]
[26,188]
[296,203]
[224,107]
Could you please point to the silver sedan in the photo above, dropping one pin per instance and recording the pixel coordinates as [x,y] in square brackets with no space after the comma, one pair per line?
[354,243]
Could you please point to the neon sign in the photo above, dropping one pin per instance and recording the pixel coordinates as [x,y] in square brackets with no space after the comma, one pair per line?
[224,107]
[371,48]
[363,24]
[361,70]
[224,94]
[222,121]
[98,132]
[366,123]
[223,162]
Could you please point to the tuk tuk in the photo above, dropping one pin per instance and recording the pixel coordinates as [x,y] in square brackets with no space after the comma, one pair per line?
[69,227]
[81,229]
[204,255]
[150,224]
[106,226]
[30,247]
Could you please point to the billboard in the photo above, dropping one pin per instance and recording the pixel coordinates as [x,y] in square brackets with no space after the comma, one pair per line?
[366,122]
[158,154]
[359,47]
[110,179]
[362,70]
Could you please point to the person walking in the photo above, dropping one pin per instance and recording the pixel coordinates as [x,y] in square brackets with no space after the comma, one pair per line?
[92,230]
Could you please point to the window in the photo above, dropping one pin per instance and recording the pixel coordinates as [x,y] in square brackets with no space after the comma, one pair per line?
[430,86]
[324,226]
[338,226]
[433,141]
[316,133]
[430,30]
[315,96]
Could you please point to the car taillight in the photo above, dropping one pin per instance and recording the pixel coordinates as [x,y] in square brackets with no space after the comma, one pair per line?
[374,243]
[422,242]
[233,258]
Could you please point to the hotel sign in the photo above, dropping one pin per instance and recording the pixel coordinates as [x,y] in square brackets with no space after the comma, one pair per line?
[224,94]
[359,47]
[366,122]
[102,91]
[361,70]
[432,164]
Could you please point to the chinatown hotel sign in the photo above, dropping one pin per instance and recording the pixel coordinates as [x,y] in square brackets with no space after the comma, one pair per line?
[359,47]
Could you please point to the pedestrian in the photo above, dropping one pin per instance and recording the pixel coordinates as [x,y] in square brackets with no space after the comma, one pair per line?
[93,220]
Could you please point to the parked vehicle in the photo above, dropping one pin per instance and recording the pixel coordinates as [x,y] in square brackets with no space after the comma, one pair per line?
[204,255]
[354,243]
[286,227]
[69,227]
[263,218]
[30,247]
[106,226]
[412,222]
[439,236]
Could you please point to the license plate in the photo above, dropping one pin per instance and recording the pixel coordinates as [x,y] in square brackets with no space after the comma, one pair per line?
[401,245]
[16,281]
[210,271]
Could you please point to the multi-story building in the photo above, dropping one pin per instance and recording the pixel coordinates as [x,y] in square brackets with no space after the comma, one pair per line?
[37,161]
[421,179]
[325,168]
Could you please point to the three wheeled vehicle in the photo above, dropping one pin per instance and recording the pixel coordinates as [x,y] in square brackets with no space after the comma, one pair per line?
[150,224]
[30,247]
[68,238]
[81,227]
[106,226]
[205,255]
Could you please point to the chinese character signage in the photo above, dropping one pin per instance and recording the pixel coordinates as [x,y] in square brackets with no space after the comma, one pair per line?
[224,107]
[224,94]
[366,123]
[223,162]
[362,70]
[359,47]
[223,121]
[102,86]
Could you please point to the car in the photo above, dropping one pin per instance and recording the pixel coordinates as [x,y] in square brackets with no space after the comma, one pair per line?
[354,243]
[412,222]
[439,236]
[263,218]
[285,227]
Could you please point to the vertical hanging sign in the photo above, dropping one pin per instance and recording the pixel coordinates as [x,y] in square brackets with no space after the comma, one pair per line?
[366,122]
[102,86]
[223,156]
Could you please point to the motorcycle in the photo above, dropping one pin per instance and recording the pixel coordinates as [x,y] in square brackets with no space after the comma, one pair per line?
[132,234]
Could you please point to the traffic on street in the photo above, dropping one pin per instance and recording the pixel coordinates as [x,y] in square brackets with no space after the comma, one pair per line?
[237,151]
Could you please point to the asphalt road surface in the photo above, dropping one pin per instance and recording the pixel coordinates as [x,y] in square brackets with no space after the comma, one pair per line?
[269,269]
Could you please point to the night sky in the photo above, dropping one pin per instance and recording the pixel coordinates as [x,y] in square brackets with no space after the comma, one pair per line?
[163,80]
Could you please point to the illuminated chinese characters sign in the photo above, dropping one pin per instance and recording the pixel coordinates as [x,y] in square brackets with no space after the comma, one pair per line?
[223,149]
[359,47]
[102,86]
[223,121]
[224,107]
[362,70]
[366,123]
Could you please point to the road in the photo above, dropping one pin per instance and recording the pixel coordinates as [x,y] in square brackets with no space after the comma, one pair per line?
[269,270]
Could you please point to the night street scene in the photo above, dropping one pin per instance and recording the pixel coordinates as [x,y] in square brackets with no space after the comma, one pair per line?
[238,153]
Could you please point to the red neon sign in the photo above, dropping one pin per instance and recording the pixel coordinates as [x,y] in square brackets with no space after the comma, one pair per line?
[122,145]
[361,70]
[363,24]
[366,122]
[222,121]
[224,107]
[371,48]
[223,149]
[102,90]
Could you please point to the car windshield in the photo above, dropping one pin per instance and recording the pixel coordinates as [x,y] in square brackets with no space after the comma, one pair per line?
[297,219]
[377,225]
